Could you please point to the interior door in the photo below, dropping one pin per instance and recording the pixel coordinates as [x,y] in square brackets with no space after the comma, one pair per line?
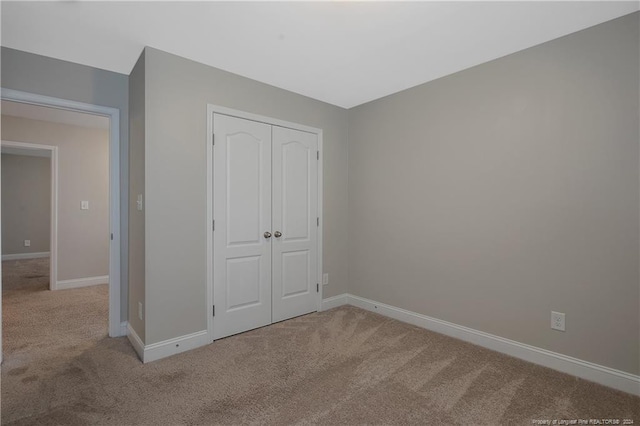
[295,228]
[242,213]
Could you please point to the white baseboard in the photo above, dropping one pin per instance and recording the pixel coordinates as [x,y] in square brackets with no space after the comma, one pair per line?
[335,301]
[19,256]
[156,351]
[82,282]
[180,344]
[124,328]
[136,342]
[584,369]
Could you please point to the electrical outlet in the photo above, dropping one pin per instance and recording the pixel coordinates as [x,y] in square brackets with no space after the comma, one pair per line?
[140,310]
[557,321]
[84,205]
[27,243]
[325,279]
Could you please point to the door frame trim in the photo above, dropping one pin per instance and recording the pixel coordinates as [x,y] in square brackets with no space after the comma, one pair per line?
[53,204]
[217,109]
[114,185]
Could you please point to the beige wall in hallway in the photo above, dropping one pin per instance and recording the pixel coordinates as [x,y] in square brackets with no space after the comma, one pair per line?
[490,197]
[26,203]
[83,174]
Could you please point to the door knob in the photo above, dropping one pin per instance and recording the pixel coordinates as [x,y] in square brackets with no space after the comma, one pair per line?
[267,234]
[277,234]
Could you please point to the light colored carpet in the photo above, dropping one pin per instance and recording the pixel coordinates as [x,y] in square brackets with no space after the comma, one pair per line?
[343,366]
[37,321]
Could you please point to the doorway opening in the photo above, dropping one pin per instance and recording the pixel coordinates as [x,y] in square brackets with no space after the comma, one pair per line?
[29,213]
[84,208]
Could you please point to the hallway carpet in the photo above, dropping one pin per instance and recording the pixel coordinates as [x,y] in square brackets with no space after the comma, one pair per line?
[343,366]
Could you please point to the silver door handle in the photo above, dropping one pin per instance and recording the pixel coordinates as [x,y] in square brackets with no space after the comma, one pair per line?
[267,234]
[277,234]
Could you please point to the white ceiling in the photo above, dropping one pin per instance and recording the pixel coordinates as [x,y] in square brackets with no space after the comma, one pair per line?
[343,53]
[54,115]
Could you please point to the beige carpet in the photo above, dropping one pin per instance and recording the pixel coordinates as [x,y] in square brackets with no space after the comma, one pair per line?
[343,366]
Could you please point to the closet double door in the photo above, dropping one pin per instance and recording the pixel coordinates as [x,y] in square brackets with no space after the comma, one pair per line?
[265,241]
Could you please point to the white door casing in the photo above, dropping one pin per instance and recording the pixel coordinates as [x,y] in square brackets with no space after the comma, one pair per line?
[242,210]
[295,206]
[53,217]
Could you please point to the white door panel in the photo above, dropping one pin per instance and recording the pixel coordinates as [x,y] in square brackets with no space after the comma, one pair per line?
[244,185]
[242,211]
[243,282]
[295,278]
[294,178]
[295,206]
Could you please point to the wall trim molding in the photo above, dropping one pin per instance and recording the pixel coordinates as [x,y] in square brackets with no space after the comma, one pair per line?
[135,340]
[156,351]
[82,282]
[335,301]
[606,376]
[19,256]
[124,331]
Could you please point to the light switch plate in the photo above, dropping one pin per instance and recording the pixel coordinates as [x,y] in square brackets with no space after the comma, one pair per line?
[84,205]
[325,279]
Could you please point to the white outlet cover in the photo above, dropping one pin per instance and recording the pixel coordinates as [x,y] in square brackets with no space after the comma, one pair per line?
[27,243]
[557,321]
[325,279]
[84,205]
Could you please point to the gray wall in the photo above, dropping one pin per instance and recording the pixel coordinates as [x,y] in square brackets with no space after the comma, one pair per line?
[26,203]
[51,77]
[83,174]
[177,93]
[136,186]
[492,196]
